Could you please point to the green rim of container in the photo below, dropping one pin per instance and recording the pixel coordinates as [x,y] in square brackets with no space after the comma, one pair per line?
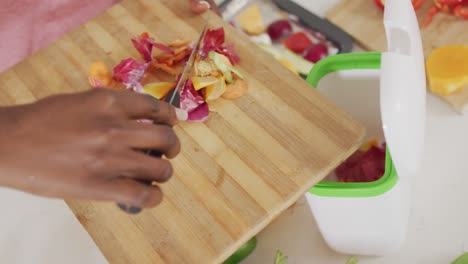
[352,61]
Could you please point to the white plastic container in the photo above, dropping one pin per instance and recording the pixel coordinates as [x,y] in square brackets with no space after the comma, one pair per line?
[371,218]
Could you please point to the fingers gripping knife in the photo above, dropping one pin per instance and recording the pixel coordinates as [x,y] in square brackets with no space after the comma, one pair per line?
[173,98]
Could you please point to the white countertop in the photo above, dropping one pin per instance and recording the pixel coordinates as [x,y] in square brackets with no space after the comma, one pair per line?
[43,231]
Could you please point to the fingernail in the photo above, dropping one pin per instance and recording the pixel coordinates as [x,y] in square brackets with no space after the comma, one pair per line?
[134,210]
[205,3]
[181,114]
[129,209]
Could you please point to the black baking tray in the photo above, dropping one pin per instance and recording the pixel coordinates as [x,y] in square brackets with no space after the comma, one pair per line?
[342,40]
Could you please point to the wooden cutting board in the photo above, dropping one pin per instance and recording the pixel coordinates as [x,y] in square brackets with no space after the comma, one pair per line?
[363,20]
[250,161]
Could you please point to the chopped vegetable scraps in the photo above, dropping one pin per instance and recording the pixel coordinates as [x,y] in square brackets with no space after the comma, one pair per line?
[214,75]
[235,90]
[215,90]
[129,72]
[365,165]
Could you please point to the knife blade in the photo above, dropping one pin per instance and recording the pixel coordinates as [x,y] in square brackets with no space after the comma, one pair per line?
[172,98]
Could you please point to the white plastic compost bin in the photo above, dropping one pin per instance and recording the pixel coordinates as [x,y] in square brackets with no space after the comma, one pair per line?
[371,218]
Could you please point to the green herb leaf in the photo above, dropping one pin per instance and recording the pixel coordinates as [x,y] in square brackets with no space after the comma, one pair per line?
[280,258]
[352,260]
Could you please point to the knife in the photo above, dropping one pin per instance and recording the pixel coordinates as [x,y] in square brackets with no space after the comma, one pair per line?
[173,98]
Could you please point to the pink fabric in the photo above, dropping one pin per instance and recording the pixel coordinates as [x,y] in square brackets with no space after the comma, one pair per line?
[28,25]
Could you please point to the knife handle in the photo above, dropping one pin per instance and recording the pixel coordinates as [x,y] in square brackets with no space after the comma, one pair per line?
[132,209]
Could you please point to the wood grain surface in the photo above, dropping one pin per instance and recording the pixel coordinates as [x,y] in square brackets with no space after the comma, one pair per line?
[363,20]
[237,172]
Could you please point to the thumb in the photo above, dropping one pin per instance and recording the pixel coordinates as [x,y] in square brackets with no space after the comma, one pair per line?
[199,6]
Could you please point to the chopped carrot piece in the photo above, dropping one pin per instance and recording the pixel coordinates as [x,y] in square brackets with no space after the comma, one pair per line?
[99,75]
[235,90]
[179,56]
[163,57]
[181,49]
[179,43]
[165,68]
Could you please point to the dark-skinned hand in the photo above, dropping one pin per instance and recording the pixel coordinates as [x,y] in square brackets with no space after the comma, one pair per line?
[86,146]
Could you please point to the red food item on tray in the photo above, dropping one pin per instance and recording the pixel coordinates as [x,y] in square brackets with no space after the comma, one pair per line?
[279,29]
[297,42]
[363,166]
[316,52]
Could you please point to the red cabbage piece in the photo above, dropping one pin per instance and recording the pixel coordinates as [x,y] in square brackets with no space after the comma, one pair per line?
[366,166]
[200,114]
[214,41]
[229,52]
[129,72]
[162,47]
[144,45]
[192,102]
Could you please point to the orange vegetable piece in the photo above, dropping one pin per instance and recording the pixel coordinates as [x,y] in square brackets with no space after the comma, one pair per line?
[100,75]
[181,49]
[215,90]
[163,57]
[159,90]
[200,82]
[447,69]
[235,90]
[165,68]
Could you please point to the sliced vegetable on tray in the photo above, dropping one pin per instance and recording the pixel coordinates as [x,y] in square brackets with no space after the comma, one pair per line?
[297,42]
[284,33]
[279,29]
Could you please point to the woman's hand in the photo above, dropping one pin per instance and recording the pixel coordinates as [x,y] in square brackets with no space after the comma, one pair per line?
[201,6]
[85,146]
